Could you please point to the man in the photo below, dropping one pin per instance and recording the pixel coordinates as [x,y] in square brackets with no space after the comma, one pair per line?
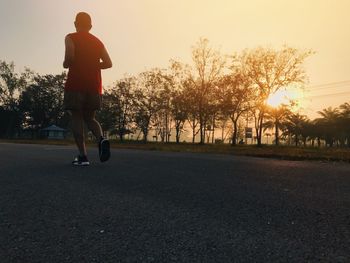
[85,56]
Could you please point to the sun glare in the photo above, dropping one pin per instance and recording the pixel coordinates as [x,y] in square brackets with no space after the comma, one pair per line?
[277,98]
[284,97]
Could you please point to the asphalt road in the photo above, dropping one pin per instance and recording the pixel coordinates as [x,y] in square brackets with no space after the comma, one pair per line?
[146,206]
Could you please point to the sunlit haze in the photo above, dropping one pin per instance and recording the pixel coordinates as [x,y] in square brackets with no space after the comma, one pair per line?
[143,34]
[290,96]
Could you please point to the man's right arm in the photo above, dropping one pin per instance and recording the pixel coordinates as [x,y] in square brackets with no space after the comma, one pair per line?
[106,60]
[69,53]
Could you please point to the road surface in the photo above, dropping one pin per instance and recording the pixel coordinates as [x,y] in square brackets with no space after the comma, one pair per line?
[148,206]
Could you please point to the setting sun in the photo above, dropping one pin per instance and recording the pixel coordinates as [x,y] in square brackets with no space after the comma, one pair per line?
[285,97]
[278,98]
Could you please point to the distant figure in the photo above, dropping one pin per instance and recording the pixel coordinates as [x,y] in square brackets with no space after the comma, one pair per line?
[85,56]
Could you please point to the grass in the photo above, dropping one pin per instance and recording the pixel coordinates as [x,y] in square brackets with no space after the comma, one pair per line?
[270,151]
[266,151]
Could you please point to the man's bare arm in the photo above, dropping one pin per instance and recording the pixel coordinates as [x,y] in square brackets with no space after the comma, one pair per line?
[106,60]
[69,53]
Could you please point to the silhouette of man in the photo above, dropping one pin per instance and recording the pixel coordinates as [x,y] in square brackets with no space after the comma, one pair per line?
[85,56]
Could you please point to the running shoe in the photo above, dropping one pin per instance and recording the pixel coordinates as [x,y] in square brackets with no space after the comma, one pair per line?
[104,150]
[81,161]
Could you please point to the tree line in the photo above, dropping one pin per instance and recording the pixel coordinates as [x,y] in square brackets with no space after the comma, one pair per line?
[215,95]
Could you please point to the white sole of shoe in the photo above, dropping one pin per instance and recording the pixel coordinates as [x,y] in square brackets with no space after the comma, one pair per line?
[82,164]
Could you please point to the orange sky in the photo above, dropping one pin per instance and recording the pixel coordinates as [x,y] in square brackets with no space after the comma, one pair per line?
[141,34]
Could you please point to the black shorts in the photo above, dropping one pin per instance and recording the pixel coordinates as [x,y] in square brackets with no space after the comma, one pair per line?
[81,101]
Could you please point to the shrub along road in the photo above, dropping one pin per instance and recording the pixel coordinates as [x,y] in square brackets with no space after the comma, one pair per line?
[149,206]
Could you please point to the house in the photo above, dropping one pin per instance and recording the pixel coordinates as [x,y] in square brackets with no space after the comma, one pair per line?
[53,132]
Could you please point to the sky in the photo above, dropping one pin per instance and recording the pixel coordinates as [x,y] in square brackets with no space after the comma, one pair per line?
[142,34]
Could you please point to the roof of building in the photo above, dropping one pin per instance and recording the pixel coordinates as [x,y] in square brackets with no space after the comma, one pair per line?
[53,128]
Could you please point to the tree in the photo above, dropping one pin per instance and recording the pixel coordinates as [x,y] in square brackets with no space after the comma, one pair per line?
[344,121]
[162,119]
[11,85]
[307,131]
[294,125]
[316,133]
[270,70]
[107,114]
[122,106]
[234,94]
[208,67]
[42,102]
[146,99]
[190,103]
[225,126]
[177,78]
[179,113]
[276,116]
[328,123]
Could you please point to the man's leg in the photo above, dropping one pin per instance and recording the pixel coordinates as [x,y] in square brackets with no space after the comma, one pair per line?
[78,130]
[92,123]
[95,127]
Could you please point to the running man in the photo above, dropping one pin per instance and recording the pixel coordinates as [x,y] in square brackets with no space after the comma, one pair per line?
[85,56]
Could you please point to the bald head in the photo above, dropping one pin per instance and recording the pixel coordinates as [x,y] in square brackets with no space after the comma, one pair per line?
[83,22]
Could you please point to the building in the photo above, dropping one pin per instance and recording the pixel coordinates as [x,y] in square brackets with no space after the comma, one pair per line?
[53,132]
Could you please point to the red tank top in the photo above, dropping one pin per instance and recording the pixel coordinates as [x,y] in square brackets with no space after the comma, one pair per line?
[84,74]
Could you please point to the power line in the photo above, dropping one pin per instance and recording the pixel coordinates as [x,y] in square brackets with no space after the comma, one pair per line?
[330,84]
[345,85]
[329,95]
